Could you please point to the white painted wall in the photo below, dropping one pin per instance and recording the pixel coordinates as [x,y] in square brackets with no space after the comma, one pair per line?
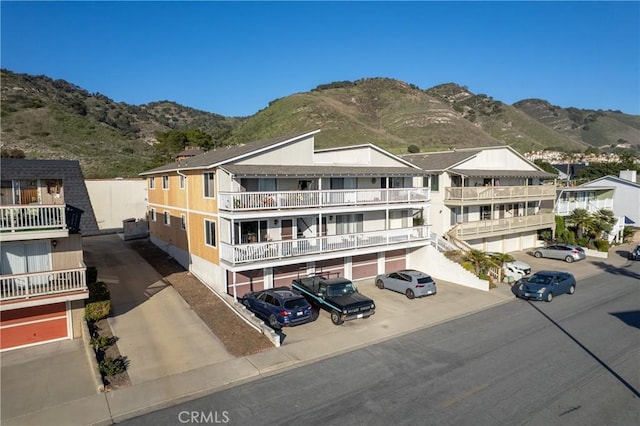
[439,267]
[114,200]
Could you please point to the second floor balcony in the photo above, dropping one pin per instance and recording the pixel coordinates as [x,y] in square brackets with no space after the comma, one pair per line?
[277,200]
[565,207]
[505,226]
[486,194]
[28,285]
[297,248]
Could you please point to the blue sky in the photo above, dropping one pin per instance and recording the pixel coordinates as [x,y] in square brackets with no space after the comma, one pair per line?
[233,58]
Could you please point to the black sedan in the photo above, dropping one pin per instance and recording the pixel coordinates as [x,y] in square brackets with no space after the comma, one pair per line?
[280,307]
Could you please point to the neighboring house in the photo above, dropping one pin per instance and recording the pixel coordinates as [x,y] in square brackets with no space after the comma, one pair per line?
[626,198]
[254,216]
[116,200]
[44,205]
[567,171]
[591,199]
[489,199]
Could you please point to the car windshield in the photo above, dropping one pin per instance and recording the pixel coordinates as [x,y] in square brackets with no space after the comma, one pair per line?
[341,289]
[298,303]
[540,279]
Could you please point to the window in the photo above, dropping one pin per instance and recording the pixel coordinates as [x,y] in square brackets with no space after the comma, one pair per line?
[435,183]
[210,233]
[165,182]
[182,182]
[209,185]
[152,215]
[349,223]
[152,183]
[167,218]
[183,222]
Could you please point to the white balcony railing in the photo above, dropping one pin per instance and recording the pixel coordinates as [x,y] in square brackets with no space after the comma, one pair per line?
[244,253]
[564,208]
[499,193]
[241,201]
[22,286]
[493,227]
[32,218]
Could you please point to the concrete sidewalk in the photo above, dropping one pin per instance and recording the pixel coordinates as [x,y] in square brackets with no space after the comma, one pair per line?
[76,402]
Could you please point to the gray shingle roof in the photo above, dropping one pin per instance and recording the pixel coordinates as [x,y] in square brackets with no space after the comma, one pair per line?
[504,173]
[222,155]
[318,171]
[440,161]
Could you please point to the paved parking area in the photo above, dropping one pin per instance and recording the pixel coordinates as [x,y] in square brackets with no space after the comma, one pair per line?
[617,258]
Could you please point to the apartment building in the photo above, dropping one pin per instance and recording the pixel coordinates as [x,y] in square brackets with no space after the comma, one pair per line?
[43,206]
[254,216]
[491,199]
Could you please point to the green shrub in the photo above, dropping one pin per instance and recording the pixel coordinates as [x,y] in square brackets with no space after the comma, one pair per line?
[98,291]
[100,343]
[413,149]
[96,311]
[112,366]
[92,274]
[582,242]
[602,245]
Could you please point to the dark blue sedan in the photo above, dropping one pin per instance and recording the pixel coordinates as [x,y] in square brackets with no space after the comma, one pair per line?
[545,285]
[280,307]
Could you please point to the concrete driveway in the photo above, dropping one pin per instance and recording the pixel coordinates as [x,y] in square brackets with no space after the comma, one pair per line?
[158,332]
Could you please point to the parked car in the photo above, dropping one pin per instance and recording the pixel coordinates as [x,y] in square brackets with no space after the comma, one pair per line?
[280,307]
[567,252]
[545,285]
[410,282]
[518,268]
[635,253]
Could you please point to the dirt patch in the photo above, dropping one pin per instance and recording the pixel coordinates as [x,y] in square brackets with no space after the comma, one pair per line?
[236,335]
[101,329]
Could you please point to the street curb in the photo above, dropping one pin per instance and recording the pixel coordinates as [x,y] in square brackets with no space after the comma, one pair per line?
[91,356]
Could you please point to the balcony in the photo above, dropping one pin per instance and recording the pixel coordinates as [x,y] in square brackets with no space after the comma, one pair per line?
[474,195]
[248,253]
[24,286]
[565,207]
[248,201]
[496,227]
[29,221]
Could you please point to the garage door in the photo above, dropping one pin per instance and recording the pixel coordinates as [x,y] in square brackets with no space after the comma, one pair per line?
[331,267]
[36,324]
[364,266]
[283,275]
[395,260]
[246,281]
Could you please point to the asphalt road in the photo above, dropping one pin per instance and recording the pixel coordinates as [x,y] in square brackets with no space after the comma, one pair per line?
[574,361]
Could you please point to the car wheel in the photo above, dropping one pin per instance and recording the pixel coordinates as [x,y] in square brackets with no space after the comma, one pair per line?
[380,284]
[537,254]
[549,297]
[410,294]
[246,303]
[572,289]
[273,322]
[568,259]
[336,319]
[315,313]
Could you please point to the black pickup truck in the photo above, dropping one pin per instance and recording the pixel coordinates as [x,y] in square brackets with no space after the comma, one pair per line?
[339,296]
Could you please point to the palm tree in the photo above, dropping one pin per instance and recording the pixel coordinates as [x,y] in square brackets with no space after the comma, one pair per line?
[603,221]
[582,220]
[478,259]
[501,259]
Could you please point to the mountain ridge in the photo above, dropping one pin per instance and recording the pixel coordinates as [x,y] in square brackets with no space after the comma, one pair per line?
[48,118]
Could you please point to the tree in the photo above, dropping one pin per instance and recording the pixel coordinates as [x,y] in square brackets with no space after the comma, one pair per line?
[501,259]
[582,220]
[603,221]
[547,167]
[172,142]
[478,259]
[413,149]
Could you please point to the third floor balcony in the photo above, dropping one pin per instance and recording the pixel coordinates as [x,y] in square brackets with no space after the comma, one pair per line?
[277,200]
[486,194]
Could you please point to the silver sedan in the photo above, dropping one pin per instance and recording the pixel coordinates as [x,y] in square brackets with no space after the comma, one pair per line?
[409,282]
